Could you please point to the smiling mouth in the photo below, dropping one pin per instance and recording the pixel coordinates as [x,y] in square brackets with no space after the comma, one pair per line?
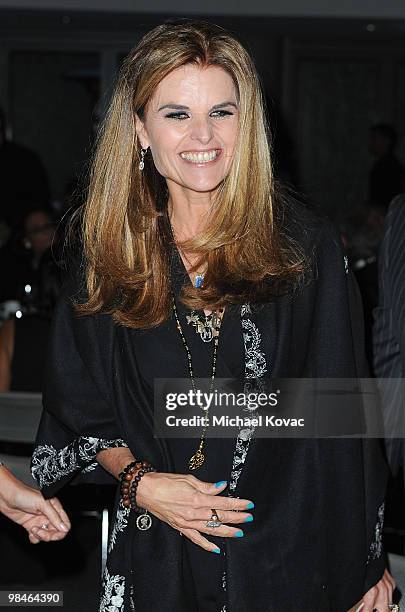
[201,157]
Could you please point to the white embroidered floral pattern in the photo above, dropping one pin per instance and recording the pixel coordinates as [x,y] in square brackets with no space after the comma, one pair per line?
[255,360]
[50,464]
[112,593]
[241,450]
[376,546]
[346,263]
[89,468]
[121,521]
[245,309]
[255,367]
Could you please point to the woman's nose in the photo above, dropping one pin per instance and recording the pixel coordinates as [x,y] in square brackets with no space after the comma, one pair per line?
[201,129]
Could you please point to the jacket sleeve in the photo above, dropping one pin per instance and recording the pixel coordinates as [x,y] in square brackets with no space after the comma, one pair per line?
[387,354]
[78,417]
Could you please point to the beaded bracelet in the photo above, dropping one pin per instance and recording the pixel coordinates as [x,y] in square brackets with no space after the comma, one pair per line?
[126,477]
[134,485]
[127,469]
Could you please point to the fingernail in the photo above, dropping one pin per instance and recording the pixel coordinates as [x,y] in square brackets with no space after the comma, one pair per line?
[239,534]
[220,483]
[250,506]
[216,550]
[249,519]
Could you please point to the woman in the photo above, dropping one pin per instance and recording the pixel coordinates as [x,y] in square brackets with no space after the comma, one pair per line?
[184,235]
[44,520]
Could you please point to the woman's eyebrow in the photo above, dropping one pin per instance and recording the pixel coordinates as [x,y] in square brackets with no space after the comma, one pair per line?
[182,107]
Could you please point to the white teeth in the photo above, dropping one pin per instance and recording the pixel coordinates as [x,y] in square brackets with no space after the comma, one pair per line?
[201,157]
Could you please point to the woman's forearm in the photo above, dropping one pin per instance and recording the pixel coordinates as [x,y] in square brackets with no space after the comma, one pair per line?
[6,489]
[114,460]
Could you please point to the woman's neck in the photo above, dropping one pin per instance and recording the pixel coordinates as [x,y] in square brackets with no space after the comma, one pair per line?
[188,213]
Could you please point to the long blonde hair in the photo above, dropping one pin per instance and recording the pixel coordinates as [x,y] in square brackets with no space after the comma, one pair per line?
[126,231]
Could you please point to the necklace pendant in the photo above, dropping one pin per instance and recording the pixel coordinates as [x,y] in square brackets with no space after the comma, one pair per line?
[203,328]
[196,460]
[205,332]
[198,281]
[144,521]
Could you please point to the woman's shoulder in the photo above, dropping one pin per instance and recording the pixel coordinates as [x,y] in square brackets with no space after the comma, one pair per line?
[310,228]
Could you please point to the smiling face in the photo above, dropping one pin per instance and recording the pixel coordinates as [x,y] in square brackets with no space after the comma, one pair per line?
[191,125]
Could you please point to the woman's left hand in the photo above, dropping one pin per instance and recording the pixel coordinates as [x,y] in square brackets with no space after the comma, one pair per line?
[379,597]
[45,520]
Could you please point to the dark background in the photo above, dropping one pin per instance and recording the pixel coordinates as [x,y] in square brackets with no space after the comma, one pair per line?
[327,79]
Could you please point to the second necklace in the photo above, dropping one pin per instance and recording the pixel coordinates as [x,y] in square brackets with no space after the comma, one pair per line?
[198,458]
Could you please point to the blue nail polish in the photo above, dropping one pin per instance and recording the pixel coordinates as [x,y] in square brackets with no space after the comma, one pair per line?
[249,519]
[250,506]
[239,534]
[220,483]
[216,550]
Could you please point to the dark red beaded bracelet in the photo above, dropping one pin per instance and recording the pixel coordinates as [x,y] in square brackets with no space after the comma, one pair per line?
[134,485]
[127,476]
[127,469]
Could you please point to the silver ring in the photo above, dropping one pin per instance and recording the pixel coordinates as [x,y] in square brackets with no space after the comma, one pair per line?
[44,526]
[214,521]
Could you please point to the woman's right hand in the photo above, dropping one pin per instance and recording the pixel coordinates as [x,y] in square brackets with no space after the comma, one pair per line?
[184,502]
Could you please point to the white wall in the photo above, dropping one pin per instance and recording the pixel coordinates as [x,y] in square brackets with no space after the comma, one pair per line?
[309,8]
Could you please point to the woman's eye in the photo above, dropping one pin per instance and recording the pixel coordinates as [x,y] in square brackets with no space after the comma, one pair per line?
[178,116]
[181,115]
[221,113]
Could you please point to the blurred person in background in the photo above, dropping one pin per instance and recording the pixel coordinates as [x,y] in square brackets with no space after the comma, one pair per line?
[23,179]
[44,520]
[389,357]
[387,176]
[39,232]
[362,234]
[20,259]
[389,328]
[23,340]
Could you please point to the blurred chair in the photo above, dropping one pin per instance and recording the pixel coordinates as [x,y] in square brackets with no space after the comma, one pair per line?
[20,414]
[397,569]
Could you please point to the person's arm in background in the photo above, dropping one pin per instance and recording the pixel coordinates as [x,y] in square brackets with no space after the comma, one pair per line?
[6,353]
[20,503]
[44,520]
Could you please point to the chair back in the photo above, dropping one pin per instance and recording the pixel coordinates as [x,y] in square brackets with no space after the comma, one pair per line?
[20,414]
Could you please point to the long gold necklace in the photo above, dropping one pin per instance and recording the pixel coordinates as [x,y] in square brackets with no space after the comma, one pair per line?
[198,458]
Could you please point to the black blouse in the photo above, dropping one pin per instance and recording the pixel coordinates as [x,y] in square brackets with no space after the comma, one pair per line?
[160,354]
[315,542]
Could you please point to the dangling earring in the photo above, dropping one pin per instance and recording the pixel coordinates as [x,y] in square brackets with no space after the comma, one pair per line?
[142,163]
